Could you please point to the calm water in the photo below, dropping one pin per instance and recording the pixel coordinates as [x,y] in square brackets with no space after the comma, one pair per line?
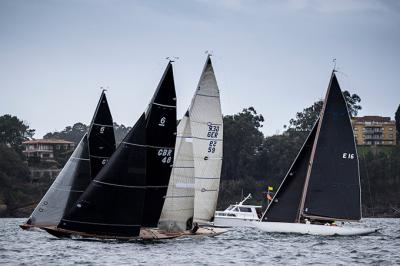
[243,246]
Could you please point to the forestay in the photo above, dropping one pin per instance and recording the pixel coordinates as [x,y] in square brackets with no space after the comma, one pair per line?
[207,131]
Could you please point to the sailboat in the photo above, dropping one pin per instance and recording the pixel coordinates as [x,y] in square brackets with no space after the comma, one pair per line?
[322,185]
[124,199]
[88,158]
[194,184]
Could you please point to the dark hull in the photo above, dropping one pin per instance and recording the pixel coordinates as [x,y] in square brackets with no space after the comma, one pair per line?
[145,234]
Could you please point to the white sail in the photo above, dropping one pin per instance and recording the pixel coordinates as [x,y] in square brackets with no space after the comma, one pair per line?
[207,131]
[177,213]
[51,208]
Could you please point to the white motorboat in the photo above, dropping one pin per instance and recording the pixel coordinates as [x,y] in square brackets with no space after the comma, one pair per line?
[238,215]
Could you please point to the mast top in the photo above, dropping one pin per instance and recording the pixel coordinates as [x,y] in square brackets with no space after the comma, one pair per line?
[172,59]
[334,65]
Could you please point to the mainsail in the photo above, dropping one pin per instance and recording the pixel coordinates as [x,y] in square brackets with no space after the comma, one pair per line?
[207,131]
[332,190]
[160,141]
[177,213]
[79,170]
[101,137]
[113,202]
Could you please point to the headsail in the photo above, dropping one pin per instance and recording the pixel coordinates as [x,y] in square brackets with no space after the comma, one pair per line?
[286,202]
[207,131]
[101,136]
[177,213]
[73,179]
[332,190]
[113,202]
[160,140]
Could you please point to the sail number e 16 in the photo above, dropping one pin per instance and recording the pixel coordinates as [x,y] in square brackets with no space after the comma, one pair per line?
[348,155]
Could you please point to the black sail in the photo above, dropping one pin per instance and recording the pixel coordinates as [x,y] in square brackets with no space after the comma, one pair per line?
[101,136]
[333,189]
[160,141]
[286,202]
[112,205]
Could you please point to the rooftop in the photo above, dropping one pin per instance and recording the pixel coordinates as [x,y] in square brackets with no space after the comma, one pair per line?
[372,118]
[47,141]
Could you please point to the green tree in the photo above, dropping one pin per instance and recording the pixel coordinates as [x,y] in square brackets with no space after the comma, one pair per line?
[14,131]
[120,132]
[71,133]
[352,103]
[306,119]
[397,118]
[242,140]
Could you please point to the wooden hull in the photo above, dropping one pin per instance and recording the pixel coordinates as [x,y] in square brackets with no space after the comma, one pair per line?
[30,227]
[145,234]
[313,229]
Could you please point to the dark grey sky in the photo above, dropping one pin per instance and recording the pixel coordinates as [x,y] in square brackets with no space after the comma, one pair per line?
[273,55]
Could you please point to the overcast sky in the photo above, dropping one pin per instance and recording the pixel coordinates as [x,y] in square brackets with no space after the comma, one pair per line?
[273,55]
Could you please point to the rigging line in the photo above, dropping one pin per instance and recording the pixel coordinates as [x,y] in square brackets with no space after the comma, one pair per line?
[117,185]
[164,105]
[101,125]
[81,159]
[205,95]
[369,185]
[193,137]
[100,157]
[67,190]
[148,146]
[81,222]
[205,122]
[170,197]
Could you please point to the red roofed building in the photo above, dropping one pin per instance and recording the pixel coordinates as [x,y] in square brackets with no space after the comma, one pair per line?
[44,148]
